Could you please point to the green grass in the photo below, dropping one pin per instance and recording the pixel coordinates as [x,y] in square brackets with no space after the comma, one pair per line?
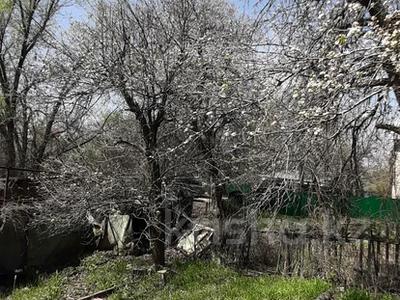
[357,294]
[105,274]
[196,280]
[205,280]
[102,273]
[49,288]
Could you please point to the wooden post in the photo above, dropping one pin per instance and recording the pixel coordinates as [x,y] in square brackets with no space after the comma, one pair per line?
[163,277]
[6,195]
[361,254]
[370,249]
[302,258]
[370,261]
[397,248]
[387,247]
[310,262]
[249,236]
[288,260]
[377,257]
[341,245]
[278,268]
[195,242]
[213,204]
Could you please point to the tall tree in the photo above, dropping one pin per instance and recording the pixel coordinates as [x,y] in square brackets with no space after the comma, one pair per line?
[23,24]
[151,54]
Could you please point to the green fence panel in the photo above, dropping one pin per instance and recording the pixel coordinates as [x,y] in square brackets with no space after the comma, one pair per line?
[298,204]
[244,188]
[375,208]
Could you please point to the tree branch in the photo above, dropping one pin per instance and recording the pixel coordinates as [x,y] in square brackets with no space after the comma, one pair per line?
[392,128]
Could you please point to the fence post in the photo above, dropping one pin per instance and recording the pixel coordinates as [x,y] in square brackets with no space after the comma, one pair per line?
[6,186]
[360,257]
[397,248]
[387,247]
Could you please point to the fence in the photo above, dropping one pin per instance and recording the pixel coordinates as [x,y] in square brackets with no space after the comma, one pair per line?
[361,254]
[371,207]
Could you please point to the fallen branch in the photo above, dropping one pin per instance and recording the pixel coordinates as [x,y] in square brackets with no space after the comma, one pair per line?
[99,293]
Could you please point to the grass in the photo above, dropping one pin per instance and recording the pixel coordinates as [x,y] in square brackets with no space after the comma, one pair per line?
[357,294]
[101,275]
[45,289]
[206,280]
[193,280]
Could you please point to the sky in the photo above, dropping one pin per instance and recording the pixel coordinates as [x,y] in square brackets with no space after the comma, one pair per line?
[75,12]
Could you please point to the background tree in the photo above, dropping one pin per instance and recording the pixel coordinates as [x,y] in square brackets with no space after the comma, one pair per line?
[334,87]
[40,84]
[23,25]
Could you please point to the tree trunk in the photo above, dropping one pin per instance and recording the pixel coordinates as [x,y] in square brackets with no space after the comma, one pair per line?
[218,191]
[150,126]
[157,218]
[10,145]
[40,153]
[157,236]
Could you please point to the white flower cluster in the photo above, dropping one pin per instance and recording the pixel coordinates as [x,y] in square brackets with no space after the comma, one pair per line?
[391,40]
[355,30]
[354,8]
